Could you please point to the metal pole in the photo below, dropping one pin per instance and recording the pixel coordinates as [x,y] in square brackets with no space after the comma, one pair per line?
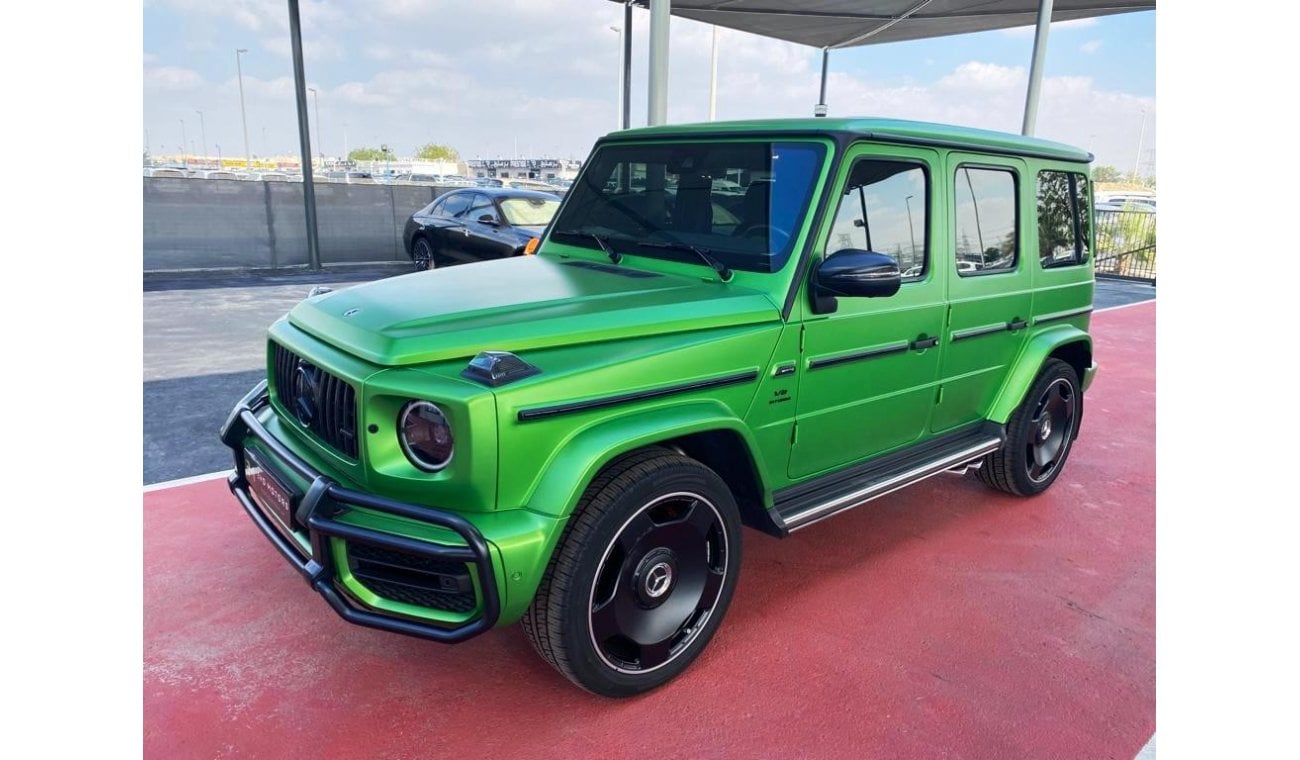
[820,109]
[1036,69]
[315,99]
[627,65]
[203,132]
[185,161]
[910,229]
[219,161]
[621,96]
[243,115]
[660,13]
[1137,162]
[304,136]
[713,78]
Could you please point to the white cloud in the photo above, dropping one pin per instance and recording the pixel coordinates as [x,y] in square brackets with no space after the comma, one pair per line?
[1057,26]
[171,78]
[1090,47]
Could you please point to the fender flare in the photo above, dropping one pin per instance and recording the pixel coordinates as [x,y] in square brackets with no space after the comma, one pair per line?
[573,466]
[1035,353]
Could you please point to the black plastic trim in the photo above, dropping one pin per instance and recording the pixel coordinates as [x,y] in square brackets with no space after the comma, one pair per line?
[1062,315]
[783,370]
[870,353]
[920,344]
[573,407]
[325,500]
[975,332]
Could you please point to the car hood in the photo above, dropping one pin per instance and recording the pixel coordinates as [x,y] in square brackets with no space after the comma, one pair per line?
[517,304]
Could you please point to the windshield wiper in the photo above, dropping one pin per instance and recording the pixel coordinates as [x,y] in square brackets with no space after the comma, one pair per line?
[613,255]
[724,271]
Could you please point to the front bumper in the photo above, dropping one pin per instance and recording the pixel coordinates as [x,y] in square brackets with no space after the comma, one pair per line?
[317,510]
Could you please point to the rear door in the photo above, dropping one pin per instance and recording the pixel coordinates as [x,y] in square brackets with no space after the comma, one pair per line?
[869,369]
[990,289]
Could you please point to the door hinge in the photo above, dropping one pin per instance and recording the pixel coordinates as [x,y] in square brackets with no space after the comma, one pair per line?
[938,396]
[802,329]
[794,432]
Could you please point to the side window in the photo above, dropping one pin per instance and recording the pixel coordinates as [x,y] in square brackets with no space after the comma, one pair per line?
[481,205]
[1063,218]
[883,208]
[987,237]
[455,204]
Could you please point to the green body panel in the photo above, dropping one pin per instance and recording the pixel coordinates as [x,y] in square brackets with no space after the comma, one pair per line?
[598,334]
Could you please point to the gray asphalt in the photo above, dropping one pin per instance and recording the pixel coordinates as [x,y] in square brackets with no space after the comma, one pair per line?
[205,346]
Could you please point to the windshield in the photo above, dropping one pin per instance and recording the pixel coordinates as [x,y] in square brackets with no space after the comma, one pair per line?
[741,202]
[528,212]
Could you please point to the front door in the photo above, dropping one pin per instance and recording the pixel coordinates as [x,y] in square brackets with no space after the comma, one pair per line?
[869,369]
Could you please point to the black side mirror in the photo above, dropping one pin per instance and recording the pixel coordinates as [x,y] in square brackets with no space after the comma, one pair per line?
[854,273]
[488,219]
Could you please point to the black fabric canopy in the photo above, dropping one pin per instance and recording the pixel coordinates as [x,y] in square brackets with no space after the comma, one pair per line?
[848,23]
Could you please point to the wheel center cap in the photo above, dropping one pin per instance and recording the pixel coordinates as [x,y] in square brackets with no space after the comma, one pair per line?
[658,579]
[1044,429]
[656,576]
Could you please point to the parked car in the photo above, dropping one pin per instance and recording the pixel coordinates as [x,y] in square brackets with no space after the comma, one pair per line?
[574,439]
[418,179]
[472,225]
[350,177]
[165,172]
[531,184]
[269,176]
[489,182]
[219,174]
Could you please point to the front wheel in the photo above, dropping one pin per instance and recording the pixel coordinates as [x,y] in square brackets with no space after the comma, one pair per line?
[642,578]
[1040,434]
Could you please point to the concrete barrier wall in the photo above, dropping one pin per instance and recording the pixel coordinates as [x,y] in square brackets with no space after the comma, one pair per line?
[201,223]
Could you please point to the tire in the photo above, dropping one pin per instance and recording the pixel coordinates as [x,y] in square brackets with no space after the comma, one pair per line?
[642,577]
[422,254]
[1040,434]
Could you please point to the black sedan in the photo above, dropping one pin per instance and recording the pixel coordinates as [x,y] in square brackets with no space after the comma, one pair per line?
[476,224]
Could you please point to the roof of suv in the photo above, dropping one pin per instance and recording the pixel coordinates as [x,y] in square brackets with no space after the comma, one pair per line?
[887,130]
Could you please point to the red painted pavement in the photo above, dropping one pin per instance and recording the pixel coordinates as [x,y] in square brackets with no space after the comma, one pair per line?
[944,621]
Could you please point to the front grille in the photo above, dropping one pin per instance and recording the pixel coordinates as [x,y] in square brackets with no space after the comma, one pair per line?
[412,579]
[323,403]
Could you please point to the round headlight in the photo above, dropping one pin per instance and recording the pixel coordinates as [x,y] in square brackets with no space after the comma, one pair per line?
[425,435]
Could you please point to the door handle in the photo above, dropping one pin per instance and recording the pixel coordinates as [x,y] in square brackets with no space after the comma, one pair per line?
[921,344]
[1017,324]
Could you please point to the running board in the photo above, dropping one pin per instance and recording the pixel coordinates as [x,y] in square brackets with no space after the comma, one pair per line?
[802,505]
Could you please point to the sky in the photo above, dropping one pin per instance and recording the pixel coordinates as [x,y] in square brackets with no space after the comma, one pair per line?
[497,78]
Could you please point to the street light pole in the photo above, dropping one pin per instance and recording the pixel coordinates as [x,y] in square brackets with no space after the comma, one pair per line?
[219,162]
[621,95]
[243,115]
[910,230]
[1142,132]
[203,133]
[713,78]
[320,153]
[184,141]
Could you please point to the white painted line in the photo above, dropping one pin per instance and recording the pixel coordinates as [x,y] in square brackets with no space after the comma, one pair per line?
[1123,306]
[187,481]
[1148,751]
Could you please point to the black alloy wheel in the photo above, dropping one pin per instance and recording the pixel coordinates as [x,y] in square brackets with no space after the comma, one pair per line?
[658,583]
[1040,434]
[643,576]
[422,254]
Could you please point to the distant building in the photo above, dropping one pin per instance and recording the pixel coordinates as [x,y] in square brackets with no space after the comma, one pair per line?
[524,168]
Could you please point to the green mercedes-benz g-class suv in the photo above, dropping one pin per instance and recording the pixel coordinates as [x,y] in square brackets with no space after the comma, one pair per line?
[751,323]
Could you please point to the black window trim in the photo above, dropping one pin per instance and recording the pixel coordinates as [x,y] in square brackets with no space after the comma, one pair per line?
[929,193]
[1015,187]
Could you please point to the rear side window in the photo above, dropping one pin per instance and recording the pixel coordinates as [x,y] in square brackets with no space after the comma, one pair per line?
[1063,218]
[455,204]
[883,209]
[987,237]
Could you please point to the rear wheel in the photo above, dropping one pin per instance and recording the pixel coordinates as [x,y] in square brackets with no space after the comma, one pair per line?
[422,254]
[1040,434]
[642,578]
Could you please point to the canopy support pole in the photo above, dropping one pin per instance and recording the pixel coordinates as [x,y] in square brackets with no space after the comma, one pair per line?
[627,65]
[1036,68]
[713,78]
[820,110]
[304,137]
[660,13]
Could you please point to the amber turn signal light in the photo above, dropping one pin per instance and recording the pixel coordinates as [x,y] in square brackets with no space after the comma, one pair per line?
[531,248]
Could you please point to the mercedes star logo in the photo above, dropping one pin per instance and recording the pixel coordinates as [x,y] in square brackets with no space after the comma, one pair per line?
[305,389]
[658,579]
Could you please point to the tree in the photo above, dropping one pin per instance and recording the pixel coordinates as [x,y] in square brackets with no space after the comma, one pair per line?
[366,154]
[435,152]
[1106,174]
